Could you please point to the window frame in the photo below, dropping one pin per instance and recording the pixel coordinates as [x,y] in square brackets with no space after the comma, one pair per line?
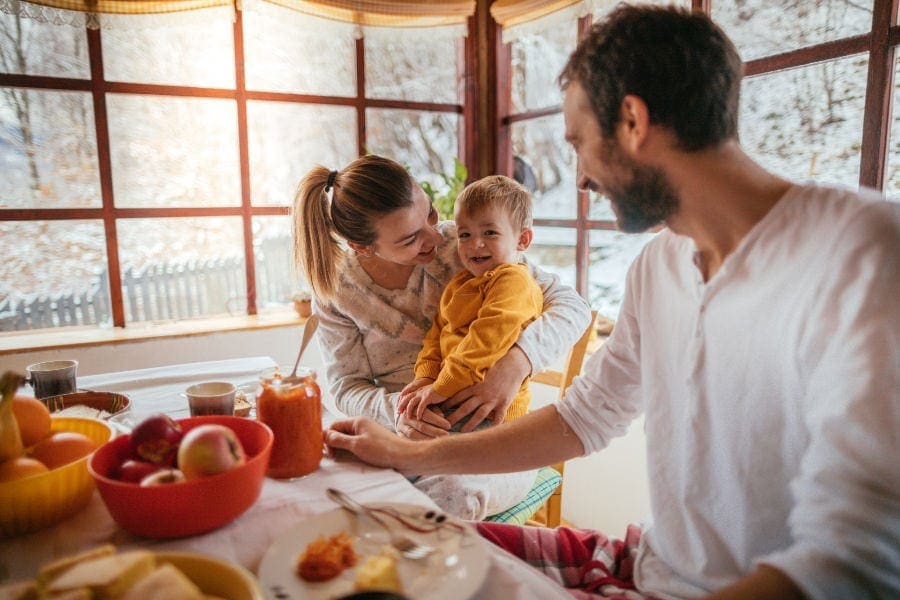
[110,215]
[879,43]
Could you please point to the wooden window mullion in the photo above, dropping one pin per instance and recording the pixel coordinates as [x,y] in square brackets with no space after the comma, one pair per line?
[361,97]
[104,162]
[244,155]
[879,96]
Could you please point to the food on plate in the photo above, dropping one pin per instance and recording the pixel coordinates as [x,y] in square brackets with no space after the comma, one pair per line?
[80,410]
[208,450]
[156,439]
[61,448]
[33,419]
[166,582]
[379,573]
[325,558]
[133,470]
[163,477]
[10,438]
[20,467]
[105,577]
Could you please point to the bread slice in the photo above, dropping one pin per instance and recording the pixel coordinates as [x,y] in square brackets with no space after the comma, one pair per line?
[166,582]
[108,576]
[52,570]
[379,573]
[19,590]
[79,594]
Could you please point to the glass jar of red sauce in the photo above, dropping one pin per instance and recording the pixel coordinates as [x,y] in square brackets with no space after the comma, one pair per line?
[293,410]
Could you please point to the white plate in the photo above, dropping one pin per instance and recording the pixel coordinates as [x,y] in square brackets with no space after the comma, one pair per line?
[454,572]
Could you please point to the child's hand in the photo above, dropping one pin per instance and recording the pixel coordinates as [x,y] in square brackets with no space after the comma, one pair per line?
[407,392]
[422,399]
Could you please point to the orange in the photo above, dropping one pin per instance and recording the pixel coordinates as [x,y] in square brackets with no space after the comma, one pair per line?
[19,468]
[61,448]
[33,418]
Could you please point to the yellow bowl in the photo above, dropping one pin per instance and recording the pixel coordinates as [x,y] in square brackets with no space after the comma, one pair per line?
[214,577]
[39,501]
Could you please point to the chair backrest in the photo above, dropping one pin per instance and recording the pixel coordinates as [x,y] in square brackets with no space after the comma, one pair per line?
[550,515]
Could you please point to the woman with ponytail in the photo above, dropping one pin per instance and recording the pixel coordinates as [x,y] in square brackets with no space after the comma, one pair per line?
[369,243]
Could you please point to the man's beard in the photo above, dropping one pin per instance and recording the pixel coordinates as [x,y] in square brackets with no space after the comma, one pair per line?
[645,200]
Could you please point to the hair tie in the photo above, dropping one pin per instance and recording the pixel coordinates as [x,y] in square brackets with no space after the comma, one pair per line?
[330,183]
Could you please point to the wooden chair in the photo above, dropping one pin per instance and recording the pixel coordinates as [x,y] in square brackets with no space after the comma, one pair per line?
[550,515]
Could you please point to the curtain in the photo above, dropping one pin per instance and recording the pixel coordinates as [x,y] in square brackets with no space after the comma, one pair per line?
[524,17]
[390,13]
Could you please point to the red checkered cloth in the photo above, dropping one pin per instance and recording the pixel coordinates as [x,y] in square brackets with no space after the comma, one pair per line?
[585,562]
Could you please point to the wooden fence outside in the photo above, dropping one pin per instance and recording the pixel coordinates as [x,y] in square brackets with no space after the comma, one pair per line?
[162,292]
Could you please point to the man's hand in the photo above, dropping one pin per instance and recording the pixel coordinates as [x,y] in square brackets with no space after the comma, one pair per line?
[370,442]
[432,425]
[491,397]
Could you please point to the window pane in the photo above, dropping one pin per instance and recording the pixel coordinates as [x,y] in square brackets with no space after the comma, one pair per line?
[553,248]
[29,47]
[286,51]
[763,27]
[612,252]
[173,151]
[537,59]
[426,142]
[276,281]
[48,150]
[892,172]
[53,274]
[197,53]
[180,268]
[807,123]
[286,140]
[401,67]
[549,165]
[600,208]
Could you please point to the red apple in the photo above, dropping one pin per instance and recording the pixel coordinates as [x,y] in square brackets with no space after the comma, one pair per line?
[162,477]
[156,440]
[209,449]
[133,471]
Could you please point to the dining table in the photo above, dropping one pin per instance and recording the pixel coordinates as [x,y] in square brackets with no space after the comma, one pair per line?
[282,504]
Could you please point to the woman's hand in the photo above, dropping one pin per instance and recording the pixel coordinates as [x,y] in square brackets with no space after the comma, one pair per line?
[432,425]
[491,397]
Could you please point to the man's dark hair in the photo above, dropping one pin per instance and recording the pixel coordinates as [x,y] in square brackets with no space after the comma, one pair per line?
[680,63]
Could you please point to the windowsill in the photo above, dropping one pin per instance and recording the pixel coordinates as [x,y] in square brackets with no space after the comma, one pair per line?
[77,337]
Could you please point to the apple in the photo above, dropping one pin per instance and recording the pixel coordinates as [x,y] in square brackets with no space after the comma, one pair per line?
[133,471]
[156,440]
[163,477]
[209,449]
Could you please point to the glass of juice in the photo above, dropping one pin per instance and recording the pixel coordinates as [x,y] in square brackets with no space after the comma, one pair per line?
[293,410]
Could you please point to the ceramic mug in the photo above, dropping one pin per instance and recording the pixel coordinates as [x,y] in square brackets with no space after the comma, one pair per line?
[52,378]
[211,398]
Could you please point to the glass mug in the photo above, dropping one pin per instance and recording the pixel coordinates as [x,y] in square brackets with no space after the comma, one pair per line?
[52,378]
[294,413]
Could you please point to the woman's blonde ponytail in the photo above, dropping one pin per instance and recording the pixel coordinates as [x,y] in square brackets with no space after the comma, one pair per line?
[317,250]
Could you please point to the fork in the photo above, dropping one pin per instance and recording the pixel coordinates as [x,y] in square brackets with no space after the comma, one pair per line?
[407,547]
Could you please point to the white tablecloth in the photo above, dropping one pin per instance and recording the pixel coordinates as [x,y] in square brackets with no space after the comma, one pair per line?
[280,505]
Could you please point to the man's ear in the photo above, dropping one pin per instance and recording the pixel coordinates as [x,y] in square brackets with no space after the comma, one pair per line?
[362,250]
[634,123]
[525,238]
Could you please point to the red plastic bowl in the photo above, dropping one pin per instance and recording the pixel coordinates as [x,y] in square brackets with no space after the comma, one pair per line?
[190,507]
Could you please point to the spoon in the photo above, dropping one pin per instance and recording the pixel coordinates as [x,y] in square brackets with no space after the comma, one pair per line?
[312,323]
